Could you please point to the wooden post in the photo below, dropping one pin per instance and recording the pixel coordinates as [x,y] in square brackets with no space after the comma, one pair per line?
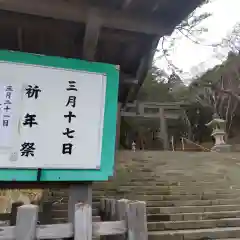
[20,38]
[113,213]
[103,209]
[107,209]
[107,215]
[118,125]
[45,216]
[80,192]
[137,221]
[92,31]
[163,129]
[26,223]
[118,134]
[83,222]
[14,210]
[121,209]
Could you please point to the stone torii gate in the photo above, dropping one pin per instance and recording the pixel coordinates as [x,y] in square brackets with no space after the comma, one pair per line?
[161,113]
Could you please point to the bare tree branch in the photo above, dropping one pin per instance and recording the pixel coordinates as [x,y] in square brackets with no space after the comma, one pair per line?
[189,28]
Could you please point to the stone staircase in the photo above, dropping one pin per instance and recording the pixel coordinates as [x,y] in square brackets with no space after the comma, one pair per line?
[59,211]
[188,195]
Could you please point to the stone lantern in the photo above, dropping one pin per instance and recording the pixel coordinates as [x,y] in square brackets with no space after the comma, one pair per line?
[218,126]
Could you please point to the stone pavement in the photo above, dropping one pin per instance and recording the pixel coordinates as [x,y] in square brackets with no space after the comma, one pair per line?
[189,195]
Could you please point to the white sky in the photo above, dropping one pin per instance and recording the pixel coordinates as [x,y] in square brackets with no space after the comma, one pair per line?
[193,58]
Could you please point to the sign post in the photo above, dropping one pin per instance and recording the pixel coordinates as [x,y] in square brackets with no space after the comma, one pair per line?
[57,119]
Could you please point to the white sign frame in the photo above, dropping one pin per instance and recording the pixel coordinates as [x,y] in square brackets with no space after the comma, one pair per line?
[92,131]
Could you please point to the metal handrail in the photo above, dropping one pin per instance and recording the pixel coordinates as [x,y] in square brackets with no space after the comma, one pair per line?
[204,148]
[210,150]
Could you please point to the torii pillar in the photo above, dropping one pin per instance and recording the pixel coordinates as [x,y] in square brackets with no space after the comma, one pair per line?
[163,129]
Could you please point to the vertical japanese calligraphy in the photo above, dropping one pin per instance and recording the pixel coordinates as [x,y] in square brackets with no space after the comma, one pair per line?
[53,117]
[27,148]
[67,147]
[7,106]
[9,113]
[32,92]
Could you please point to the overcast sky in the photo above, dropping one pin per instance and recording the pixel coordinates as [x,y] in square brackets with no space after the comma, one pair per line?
[192,58]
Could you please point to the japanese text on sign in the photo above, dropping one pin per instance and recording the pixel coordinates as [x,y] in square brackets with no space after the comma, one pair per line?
[60,117]
[67,147]
[9,106]
[28,148]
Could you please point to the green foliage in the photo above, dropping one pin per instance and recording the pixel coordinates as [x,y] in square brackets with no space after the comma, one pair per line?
[160,87]
[205,96]
[155,87]
[228,69]
[218,91]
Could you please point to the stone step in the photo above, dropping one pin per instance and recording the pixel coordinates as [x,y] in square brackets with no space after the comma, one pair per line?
[172,198]
[193,224]
[163,189]
[153,189]
[192,216]
[64,206]
[154,186]
[174,182]
[168,187]
[65,220]
[155,182]
[147,196]
[181,197]
[192,209]
[59,193]
[170,173]
[167,192]
[174,175]
[64,213]
[160,197]
[213,233]
[56,199]
[206,203]
[193,202]
[168,200]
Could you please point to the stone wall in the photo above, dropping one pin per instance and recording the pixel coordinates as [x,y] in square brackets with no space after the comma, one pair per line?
[8,196]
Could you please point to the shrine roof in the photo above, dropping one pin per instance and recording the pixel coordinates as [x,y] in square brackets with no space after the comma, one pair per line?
[120,32]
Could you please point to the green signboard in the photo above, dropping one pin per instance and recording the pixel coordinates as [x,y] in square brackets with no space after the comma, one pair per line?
[57,118]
